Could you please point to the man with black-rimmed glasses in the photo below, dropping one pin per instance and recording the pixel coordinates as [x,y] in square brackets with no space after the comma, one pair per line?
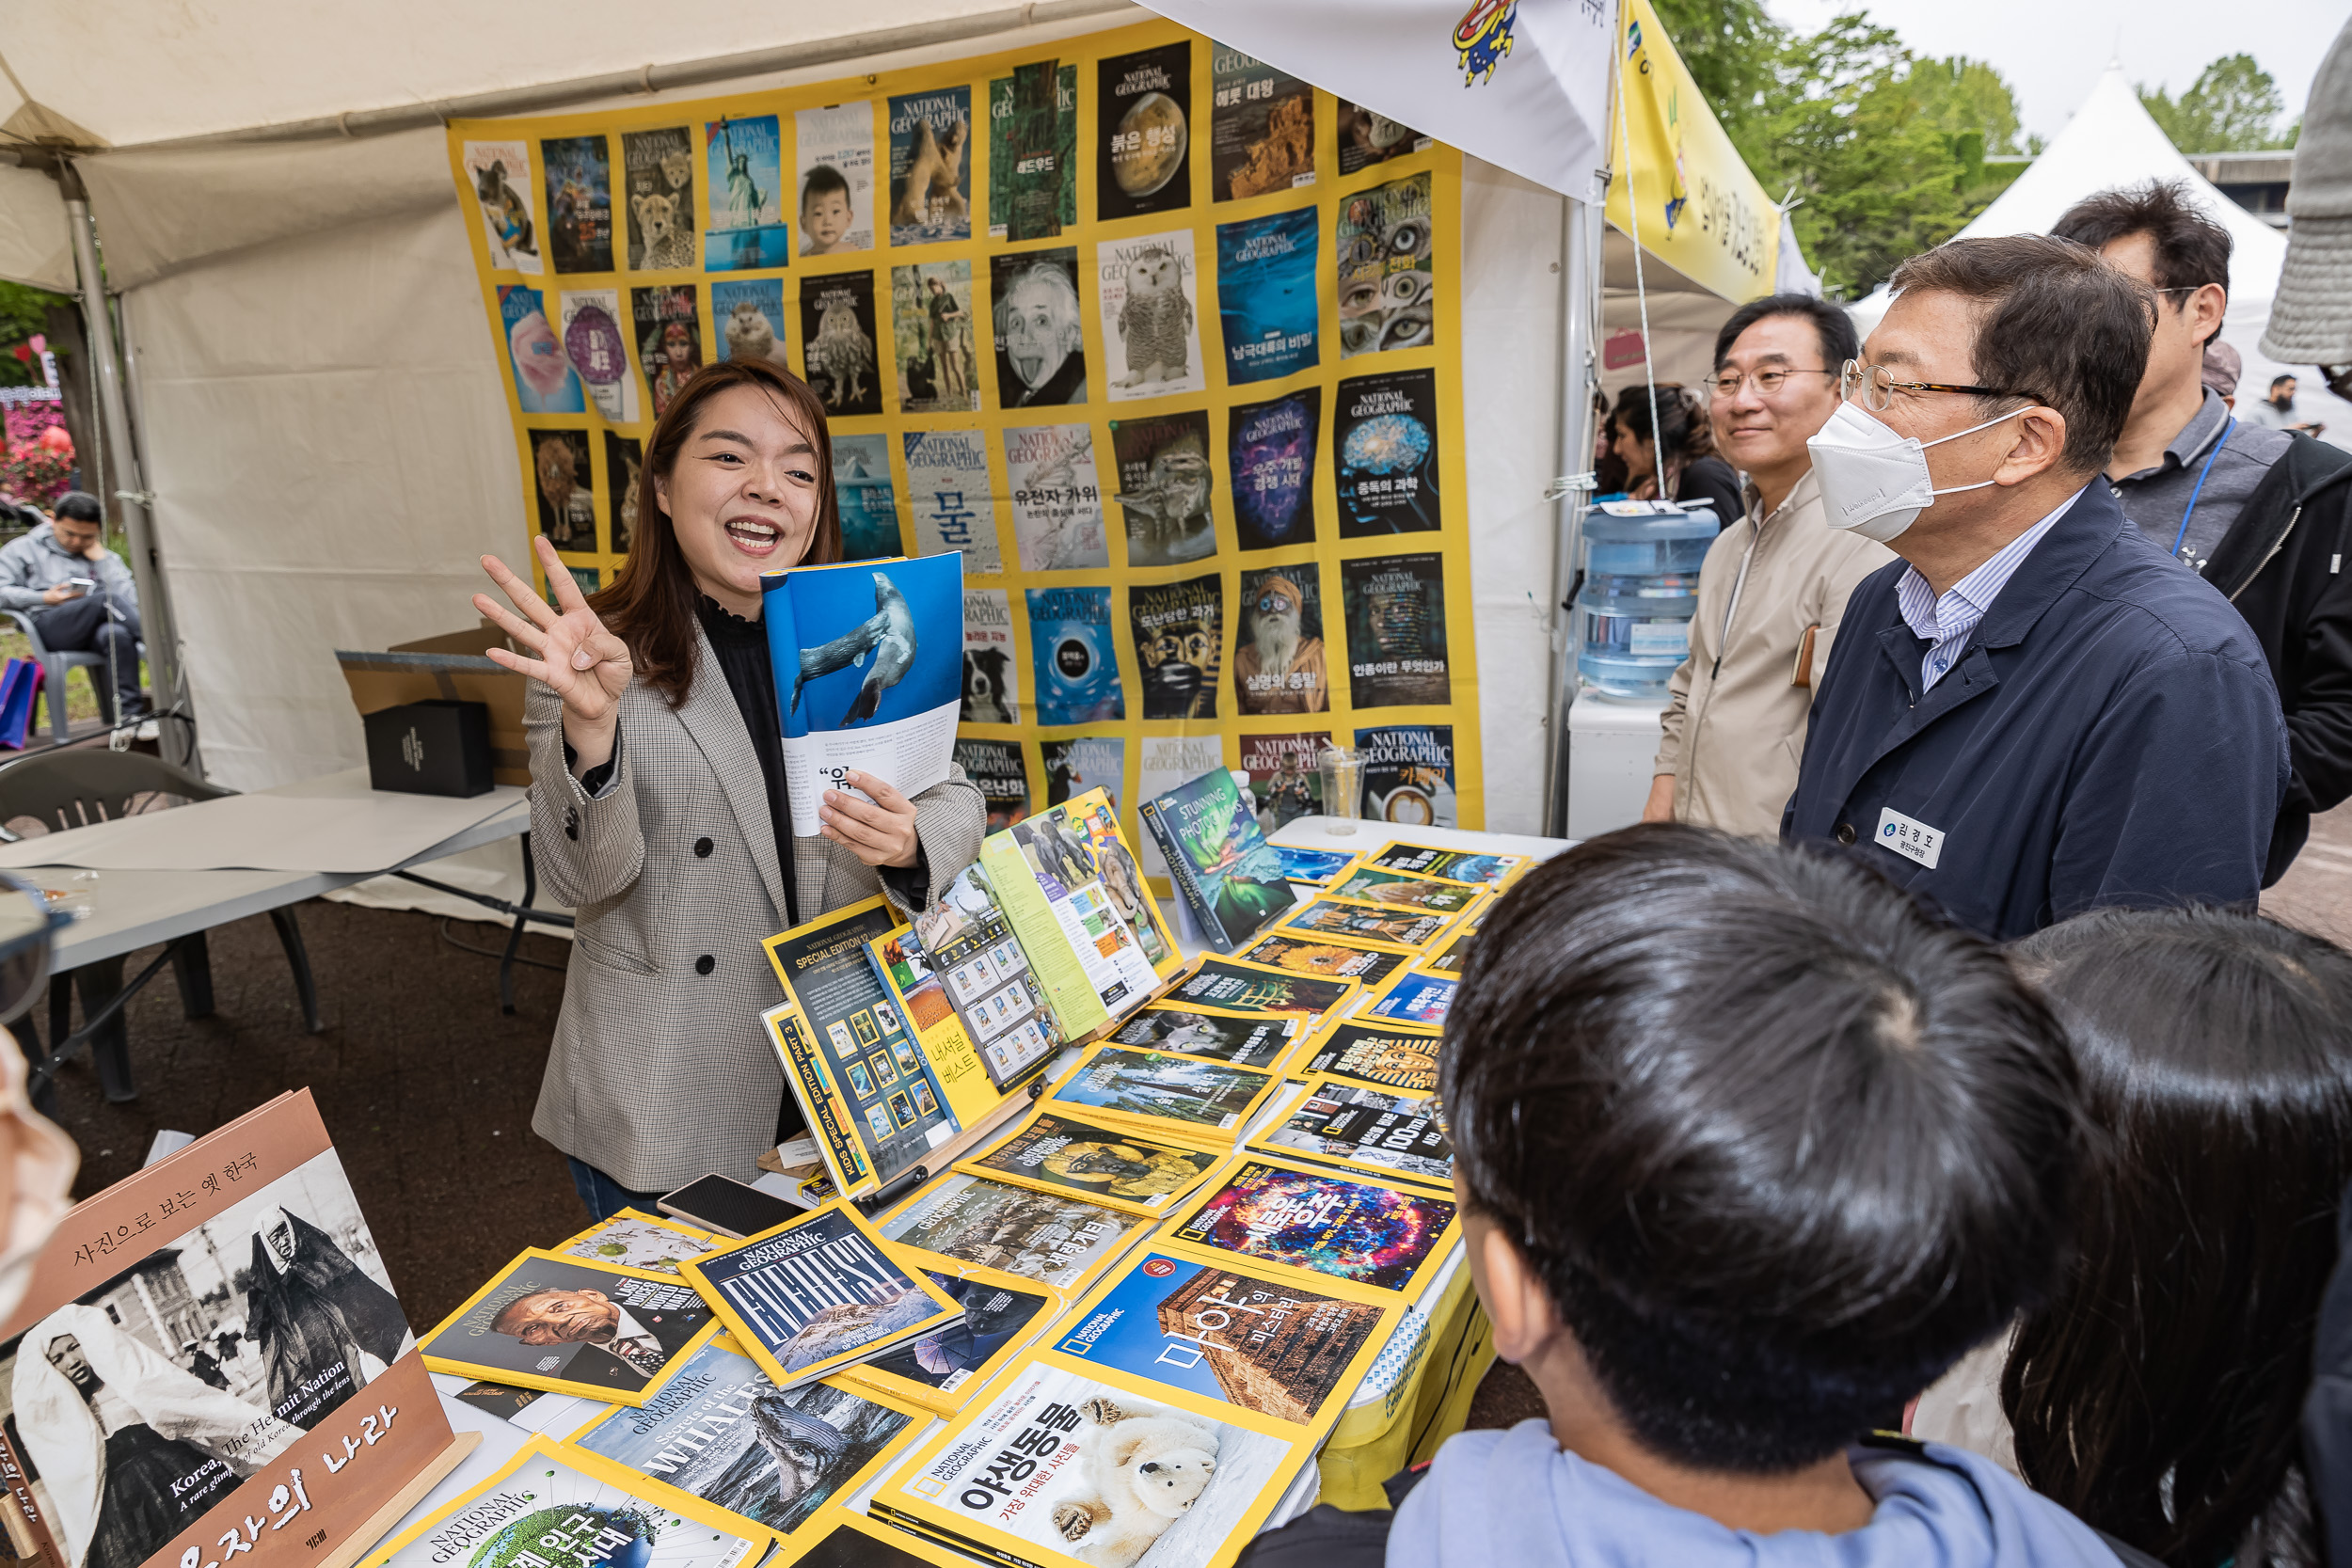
[2036,711]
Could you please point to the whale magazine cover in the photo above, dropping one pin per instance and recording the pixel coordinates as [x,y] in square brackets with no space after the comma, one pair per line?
[1309,956]
[570,1326]
[1265,296]
[553,1503]
[1180,1099]
[1374,1131]
[1384,1057]
[721,1431]
[1253,1039]
[1054,1238]
[818,1292]
[868,674]
[1224,1331]
[1118,1169]
[1224,869]
[1292,1216]
[938,1372]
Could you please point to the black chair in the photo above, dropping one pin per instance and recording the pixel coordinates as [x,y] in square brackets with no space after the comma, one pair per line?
[65,789]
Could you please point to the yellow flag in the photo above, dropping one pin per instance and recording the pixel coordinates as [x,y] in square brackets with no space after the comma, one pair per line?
[1701,211]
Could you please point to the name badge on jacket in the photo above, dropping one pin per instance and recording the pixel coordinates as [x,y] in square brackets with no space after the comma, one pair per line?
[1910,837]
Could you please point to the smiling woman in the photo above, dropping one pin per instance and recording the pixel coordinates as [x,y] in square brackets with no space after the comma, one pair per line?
[658,805]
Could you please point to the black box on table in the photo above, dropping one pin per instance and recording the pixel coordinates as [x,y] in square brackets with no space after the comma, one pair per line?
[436,747]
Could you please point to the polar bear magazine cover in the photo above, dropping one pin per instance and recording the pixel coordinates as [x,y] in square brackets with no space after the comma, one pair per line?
[876,674]
[1063,1468]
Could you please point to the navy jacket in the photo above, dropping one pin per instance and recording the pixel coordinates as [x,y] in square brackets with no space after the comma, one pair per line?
[2110,736]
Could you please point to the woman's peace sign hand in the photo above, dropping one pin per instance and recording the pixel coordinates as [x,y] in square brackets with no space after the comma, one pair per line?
[577,660]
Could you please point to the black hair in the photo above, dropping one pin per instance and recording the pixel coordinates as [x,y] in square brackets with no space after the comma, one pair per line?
[2057,324]
[78,506]
[1834,328]
[2277,381]
[823,179]
[1781,1145]
[2156,1394]
[2192,249]
[1688,435]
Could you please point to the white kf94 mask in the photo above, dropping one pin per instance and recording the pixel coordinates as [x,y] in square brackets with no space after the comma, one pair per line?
[1875,481]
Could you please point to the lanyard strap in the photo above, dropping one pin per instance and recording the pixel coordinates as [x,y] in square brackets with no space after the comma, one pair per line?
[2200,490]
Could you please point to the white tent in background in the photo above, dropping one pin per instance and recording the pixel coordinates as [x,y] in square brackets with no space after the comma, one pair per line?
[2111,142]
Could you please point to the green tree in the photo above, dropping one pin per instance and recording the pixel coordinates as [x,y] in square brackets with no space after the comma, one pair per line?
[2234,107]
[1961,97]
[24,311]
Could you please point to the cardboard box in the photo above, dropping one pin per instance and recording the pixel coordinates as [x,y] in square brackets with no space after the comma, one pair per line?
[451,666]
[435,747]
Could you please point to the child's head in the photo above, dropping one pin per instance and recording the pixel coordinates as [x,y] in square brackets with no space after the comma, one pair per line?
[825,215]
[2157,1393]
[1778,1145]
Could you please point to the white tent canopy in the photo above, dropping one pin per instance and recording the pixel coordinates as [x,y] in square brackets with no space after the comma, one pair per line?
[2112,142]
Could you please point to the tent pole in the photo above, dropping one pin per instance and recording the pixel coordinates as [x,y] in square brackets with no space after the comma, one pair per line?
[119,451]
[1579,284]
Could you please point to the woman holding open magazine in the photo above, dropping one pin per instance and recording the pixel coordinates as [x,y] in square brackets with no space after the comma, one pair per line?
[658,804]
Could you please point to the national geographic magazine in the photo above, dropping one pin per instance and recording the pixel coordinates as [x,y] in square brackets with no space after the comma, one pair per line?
[1309,1224]
[573,1327]
[1400,1057]
[1404,890]
[1248,988]
[1002,1315]
[963,1221]
[1453,866]
[636,1240]
[1182,1100]
[1302,954]
[1118,1169]
[818,1292]
[1381,1133]
[1253,1039]
[1352,921]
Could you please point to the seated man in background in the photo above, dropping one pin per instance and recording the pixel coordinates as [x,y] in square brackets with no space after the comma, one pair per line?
[1750,1147]
[42,574]
[1776,582]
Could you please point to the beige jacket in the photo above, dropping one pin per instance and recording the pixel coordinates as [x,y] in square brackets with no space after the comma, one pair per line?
[1736,711]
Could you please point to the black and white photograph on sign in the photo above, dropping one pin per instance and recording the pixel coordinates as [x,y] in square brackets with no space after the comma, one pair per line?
[567,497]
[1166,487]
[658,167]
[1179,630]
[1150,331]
[1056,497]
[837,341]
[1143,131]
[156,1394]
[1277,642]
[1041,332]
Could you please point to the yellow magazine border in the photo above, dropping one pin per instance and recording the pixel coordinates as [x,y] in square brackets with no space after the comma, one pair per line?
[1369,861]
[1167,1236]
[1363,1010]
[890,1388]
[481,1373]
[1303,1060]
[1316,1084]
[660,1222]
[924,1257]
[833,1516]
[829,1113]
[1448,923]
[1210,1139]
[1479,892]
[971,1165]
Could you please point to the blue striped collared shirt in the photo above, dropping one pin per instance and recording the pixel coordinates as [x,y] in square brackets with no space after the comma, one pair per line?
[1947,623]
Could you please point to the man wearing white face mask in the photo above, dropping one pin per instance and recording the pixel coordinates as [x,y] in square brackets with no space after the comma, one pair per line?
[2036,712]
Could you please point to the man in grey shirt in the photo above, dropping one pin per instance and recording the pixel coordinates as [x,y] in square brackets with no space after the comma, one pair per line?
[80,595]
[2276,411]
[2263,514]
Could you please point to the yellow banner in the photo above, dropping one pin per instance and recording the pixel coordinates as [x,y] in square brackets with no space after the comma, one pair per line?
[1702,213]
[1166,341]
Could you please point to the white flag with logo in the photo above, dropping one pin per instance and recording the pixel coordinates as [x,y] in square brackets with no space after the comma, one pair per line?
[1523,84]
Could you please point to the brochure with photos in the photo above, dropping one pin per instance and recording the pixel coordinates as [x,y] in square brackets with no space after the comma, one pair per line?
[573,1327]
[819,1293]
[1117,1169]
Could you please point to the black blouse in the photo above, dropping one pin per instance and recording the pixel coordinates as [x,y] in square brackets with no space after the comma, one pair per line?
[741,648]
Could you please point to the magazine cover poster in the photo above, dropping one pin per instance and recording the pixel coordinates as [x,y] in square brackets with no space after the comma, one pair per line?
[948,494]
[861,485]
[657,171]
[548,1319]
[1277,642]
[1091,1161]
[837,337]
[1385,274]
[1405,1059]
[1261,127]
[1284,782]
[930,325]
[1151,335]
[544,382]
[579,172]
[1270,448]
[814,1291]
[723,1432]
[1076,661]
[744,166]
[1003,779]
[1223,1333]
[1422,999]
[1368,137]
[750,313]
[1033,152]
[1168,762]
[567,501]
[630,1240]
[1370,1127]
[1037,1465]
[1082,763]
[1384,434]
[1246,988]
[1179,631]
[597,347]
[1042,1236]
[501,175]
[1307,956]
[1266,295]
[1352,921]
[1409,776]
[624,463]
[835,182]
[930,167]
[1247,1040]
[1396,652]
[669,338]
[1152,1083]
[1056,497]
[1455,865]
[1164,488]
[1143,117]
[948,1357]
[1040,331]
[992,683]
[1348,1229]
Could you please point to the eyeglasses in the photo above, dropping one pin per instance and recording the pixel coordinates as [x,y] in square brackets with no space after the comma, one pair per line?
[1874,387]
[1768,382]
